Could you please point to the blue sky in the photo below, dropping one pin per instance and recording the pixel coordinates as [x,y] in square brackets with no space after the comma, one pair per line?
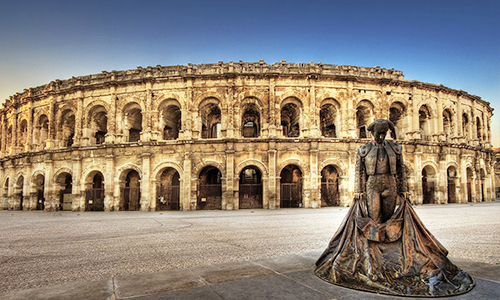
[454,43]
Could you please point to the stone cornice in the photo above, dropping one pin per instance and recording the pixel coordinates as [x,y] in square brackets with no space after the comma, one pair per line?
[227,70]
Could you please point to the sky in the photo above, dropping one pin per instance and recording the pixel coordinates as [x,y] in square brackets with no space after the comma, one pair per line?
[454,43]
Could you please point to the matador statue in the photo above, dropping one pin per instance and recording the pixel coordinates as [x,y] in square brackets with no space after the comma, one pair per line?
[382,246]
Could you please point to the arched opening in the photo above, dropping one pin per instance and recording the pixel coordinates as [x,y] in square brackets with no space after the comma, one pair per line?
[210,189]
[291,187]
[328,119]
[65,186]
[132,120]
[42,132]
[447,122]
[469,184]
[6,192]
[18,193]
[250,121]
[39,182]
[290,120]
[98,124]
[171,122]
[330,186]
[479,133]
[10,144]
[23,134]
[67,128]
[364,116]
[397,113]
[424,118]
[428,185]
[168,190]
[94,192]
[131,191]
[451,173]
[465,125]
[250,188]
[211,117]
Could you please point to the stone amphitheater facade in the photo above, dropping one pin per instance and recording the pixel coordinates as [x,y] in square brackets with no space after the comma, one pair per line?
[232,136]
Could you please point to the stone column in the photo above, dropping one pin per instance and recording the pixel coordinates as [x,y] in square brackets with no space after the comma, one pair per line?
[274,110]
[77,194]
[145,186]
[52,124]
[439,117]
[419,197]
[188,192]
[79,122]
[349,115]
[314,126]
[146,115]
[230,196]
[314,187]
[49,192]
[415,126]
[109,182]
[458,119]
[4,134]
[273,190]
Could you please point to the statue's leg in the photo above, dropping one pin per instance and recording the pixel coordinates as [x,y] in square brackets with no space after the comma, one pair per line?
[389,198]
[373,198]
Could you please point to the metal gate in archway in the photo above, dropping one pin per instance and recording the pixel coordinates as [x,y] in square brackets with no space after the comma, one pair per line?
[168,197]
[94,199]
[290,195]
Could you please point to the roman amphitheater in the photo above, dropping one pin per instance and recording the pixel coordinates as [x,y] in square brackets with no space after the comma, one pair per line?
[233,136]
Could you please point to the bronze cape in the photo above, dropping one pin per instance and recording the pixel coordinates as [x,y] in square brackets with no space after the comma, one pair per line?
[398,257]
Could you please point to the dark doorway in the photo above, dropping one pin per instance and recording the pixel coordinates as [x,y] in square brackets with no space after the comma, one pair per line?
[250,188]
[291,187]
[131,195]
[452,187]
[19,192]
[469,185]
[428,186]
[210,189]
[168,190]
[94,194]
[65,197]
[40,190]
[330,186]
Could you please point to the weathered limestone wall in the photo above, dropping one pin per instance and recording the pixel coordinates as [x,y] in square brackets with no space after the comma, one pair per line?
[191,117]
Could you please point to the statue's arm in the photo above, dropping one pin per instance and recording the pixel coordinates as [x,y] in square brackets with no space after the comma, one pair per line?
[400,170]
[359,176]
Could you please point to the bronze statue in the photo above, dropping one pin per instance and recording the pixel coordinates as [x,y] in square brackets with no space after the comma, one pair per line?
[381,248]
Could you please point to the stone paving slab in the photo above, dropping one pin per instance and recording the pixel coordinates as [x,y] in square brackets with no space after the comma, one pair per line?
[285,277]
[146,284]
[102,289]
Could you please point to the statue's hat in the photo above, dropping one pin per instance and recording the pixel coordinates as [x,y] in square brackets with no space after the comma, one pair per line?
[382,125]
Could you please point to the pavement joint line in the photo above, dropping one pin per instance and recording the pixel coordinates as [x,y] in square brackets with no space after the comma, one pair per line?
[262,266]
[301,283]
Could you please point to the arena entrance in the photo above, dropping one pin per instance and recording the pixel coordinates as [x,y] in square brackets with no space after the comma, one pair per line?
[469,184]
[130,191]
[168,190]
[330,186]
[452,187]
[291,187]
[94,192]
[250,188]
[19,192]
[65,185]
[482,176]
[39,183]
[210,189]
[428,185]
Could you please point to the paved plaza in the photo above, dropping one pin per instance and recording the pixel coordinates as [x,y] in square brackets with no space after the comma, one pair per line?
[120,250]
